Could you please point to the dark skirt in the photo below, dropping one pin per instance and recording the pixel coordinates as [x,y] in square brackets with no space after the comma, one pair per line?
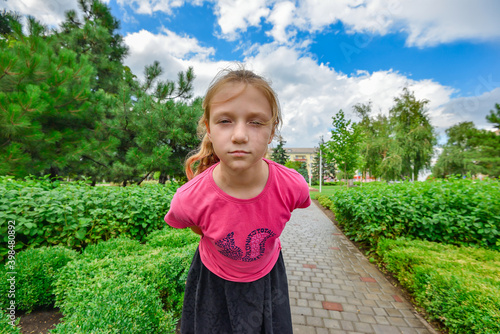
[215,305]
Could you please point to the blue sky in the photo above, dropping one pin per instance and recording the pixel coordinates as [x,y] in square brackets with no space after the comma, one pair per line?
[321,56]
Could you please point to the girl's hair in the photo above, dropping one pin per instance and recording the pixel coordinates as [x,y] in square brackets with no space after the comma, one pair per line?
[205,156]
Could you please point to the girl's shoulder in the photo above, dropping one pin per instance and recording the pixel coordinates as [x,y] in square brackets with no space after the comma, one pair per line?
[283,173]
[197,183]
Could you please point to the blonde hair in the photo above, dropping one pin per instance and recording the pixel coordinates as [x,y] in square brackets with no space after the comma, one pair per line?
[205,156]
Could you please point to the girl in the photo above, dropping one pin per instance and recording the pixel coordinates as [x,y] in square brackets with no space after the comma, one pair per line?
[239,203]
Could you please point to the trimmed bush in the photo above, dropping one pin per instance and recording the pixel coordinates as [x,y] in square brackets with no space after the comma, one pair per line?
[132,283]
[6,324]
[460,286]
[74,214]
[36,270]
[117,304]
[461,212]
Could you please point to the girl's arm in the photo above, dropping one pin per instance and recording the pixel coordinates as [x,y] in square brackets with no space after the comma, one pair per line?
[196,230]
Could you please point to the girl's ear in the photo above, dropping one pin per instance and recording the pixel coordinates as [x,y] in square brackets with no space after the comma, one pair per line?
[271,137]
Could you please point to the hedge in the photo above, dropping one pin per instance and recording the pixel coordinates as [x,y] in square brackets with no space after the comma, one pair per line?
[74,214]
[36,271]
[460,212]
[122,286]
[459,286]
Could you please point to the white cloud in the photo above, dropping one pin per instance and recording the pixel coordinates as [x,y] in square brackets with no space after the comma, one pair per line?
[282,17]
[426,22]
[151,6]
[174,52]
[310,94]
[50,13]
[235,16]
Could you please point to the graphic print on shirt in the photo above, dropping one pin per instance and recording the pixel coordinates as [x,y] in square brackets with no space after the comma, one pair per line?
[255,245]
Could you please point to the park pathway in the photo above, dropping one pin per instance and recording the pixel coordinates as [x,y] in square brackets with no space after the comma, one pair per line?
[334,288]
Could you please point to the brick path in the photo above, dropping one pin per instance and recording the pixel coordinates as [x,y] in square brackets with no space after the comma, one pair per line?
[334,288]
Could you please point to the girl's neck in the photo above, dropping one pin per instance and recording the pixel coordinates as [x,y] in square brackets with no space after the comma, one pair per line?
[244,185]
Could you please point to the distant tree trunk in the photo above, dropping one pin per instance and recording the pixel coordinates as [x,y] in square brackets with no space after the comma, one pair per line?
[163,178]
[145,177]
[124,184]
[94,181]
[54,174]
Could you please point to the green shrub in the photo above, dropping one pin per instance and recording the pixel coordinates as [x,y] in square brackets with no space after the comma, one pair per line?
[36,270]
[172,238]
[461,212]
[105,269]
[75,214]
[459,286]
[119,304]
[6,324]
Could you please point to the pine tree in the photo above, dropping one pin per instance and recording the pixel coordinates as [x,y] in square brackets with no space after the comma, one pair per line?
[44,99]
[279,154]
[155,129]
[95,37]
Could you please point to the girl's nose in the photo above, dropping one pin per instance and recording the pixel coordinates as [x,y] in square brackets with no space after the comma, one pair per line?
[240,134]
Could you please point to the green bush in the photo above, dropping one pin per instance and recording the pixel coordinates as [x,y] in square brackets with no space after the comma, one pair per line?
[461,212]
[459,286]
[126,275]
[36,270]
[6,323]
[116,304]
[75,214]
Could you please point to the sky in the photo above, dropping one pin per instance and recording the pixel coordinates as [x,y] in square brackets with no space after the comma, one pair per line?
[320,56]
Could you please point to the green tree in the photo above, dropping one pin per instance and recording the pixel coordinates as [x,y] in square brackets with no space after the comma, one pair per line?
[343,147]
[45,102]
[328,168]
[487,154]
[279,154]
[153,125]
[413,134]
[377,141]
[457,156]
[300,167]
[95,37]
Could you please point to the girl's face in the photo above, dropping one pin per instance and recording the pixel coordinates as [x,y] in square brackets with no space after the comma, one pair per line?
[239,126]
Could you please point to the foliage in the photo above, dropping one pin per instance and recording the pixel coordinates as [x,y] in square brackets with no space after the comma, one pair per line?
[36,270]
[471,151]
[75,215]
[94,36]
[398,146]
[377,144]
[413,134]
[457,155]
[46,113]
[300,167]
[71,108]
[454,211]
[121,286]
[459,286]
[343,147]
[279,154]
[328,168]
[6,323]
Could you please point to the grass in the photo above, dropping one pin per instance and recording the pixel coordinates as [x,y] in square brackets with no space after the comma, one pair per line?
[325,190]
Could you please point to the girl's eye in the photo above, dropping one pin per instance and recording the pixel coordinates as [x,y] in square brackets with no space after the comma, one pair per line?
[256,123]
[224,121]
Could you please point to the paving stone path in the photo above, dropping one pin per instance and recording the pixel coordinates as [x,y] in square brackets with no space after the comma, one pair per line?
[334,288]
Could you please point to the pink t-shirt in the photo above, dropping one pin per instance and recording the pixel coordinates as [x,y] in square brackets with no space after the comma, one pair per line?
[240,240]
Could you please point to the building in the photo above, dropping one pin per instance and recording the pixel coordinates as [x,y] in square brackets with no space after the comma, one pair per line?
[298,154]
